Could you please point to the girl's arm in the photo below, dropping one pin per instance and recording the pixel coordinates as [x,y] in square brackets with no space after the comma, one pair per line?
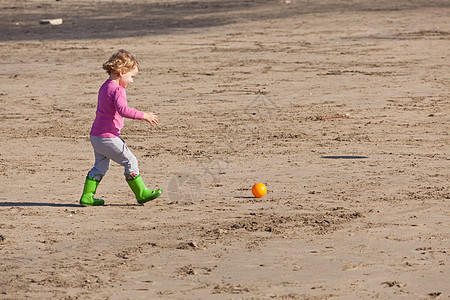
[131,113]
[120,101]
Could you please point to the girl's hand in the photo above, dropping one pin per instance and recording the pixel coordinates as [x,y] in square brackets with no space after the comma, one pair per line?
[151,118]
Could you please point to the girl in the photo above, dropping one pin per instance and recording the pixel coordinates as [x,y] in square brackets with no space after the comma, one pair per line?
[112,107]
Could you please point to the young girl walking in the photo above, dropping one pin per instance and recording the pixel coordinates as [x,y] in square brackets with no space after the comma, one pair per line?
[112,107]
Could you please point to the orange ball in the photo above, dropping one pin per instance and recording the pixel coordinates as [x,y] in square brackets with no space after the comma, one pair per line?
[259,190]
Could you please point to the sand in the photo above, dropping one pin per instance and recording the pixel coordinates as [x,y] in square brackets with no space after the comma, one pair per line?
[357,207]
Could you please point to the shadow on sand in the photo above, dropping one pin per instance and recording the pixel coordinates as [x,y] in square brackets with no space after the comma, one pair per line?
[42,204]
[37,204]
[19,20]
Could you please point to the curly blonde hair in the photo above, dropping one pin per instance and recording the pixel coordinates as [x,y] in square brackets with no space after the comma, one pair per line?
[121,60]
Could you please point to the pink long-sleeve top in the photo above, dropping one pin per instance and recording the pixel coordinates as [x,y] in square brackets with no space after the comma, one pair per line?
[111,109]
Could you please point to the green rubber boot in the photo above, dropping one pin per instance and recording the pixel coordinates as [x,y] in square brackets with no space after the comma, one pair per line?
[142,193]
[90,187]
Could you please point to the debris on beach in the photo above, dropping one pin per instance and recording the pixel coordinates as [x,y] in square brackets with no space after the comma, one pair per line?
[51,22]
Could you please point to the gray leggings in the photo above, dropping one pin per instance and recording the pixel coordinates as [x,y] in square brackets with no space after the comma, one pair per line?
[107,149]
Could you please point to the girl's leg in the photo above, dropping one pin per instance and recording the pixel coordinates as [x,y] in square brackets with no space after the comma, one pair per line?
[94,177]
[101,166]
[115,149]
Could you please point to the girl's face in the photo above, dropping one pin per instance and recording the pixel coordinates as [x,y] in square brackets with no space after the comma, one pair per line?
[127,78]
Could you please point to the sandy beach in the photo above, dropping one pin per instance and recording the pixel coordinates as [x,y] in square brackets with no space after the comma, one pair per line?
[357,206]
